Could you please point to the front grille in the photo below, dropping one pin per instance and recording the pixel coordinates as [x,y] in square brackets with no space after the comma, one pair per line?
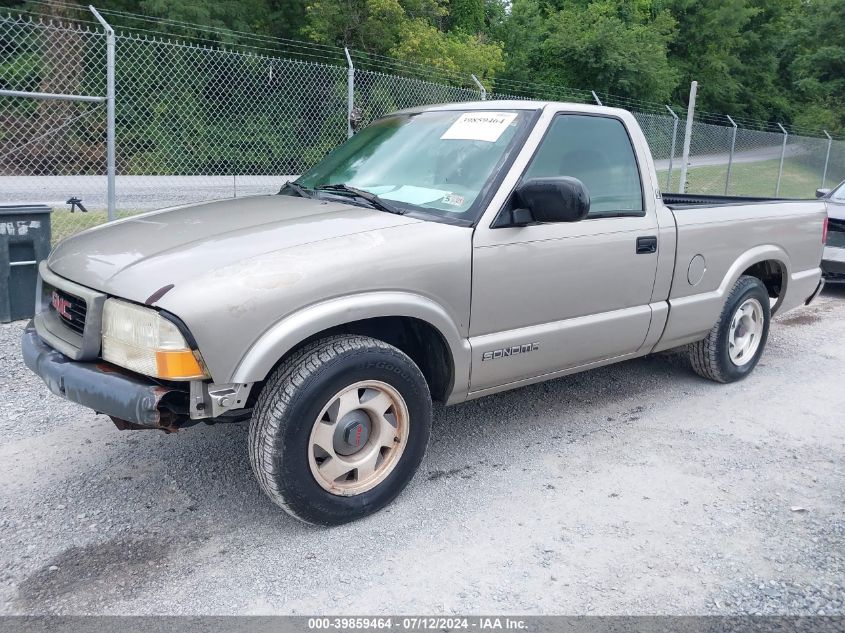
[71,310]
[836,233]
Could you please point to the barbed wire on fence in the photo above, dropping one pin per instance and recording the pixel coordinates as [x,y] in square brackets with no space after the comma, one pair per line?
[199,118]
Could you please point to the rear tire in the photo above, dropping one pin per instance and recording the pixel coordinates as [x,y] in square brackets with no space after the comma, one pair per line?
[734,346]
[339,429]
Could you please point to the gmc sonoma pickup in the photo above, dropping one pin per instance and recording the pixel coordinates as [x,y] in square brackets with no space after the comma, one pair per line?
[442,253]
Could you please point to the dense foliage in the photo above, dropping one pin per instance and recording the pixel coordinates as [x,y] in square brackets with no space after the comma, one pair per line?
[762,59]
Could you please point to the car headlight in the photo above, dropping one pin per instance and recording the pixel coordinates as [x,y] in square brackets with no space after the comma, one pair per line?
[142,340]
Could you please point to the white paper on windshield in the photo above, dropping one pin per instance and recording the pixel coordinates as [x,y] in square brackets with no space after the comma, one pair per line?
[479,126]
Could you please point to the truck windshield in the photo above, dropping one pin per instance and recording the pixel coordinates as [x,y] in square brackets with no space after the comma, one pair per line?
[432,162]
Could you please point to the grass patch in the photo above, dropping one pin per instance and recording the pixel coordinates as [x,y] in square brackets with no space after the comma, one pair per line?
[65,224]
[749,179]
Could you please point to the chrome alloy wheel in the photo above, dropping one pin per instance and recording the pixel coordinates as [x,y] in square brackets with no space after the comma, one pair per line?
[745,332]
[358,438]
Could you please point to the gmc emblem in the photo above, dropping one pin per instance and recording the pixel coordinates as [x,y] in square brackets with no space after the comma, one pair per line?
[61,305]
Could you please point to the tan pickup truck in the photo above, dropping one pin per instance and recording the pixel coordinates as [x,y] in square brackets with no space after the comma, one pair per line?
[443,253]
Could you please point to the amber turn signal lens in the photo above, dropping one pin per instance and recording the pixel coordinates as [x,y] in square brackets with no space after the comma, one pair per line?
[178,365]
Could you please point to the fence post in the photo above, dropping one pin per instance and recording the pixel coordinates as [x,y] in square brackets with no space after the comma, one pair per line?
[731,156]
[596,97]
[481,88]
[350,92]
[782,156]
[826,158]
[672,150]
[693,90]
[110,103]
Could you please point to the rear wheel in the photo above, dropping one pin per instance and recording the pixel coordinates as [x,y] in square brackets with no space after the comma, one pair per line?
[734,346]
[339,429]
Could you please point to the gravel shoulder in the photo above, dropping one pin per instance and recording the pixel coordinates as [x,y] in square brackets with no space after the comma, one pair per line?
[637,488]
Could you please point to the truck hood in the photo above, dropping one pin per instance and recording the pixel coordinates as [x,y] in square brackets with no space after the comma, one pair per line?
[138,256]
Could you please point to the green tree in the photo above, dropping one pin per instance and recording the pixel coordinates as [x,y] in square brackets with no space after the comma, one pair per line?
[456,52]
[495,17]
[368,25]
[731,47]
[815,64]
[286,18]
[467,15]
[411,30]
[242,15]
[616,46]
[780,60]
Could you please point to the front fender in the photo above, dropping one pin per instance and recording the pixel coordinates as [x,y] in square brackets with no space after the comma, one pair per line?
[279,339]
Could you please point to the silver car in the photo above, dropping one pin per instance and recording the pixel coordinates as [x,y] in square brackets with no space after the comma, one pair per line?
[833,261]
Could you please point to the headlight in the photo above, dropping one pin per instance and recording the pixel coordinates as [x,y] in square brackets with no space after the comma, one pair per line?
[142,340]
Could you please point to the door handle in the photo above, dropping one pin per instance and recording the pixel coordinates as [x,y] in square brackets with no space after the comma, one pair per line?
[646,245]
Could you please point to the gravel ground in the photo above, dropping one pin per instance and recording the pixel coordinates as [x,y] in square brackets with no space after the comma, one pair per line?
[633,489]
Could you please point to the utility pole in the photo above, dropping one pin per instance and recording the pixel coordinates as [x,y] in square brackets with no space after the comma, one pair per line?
[693,90]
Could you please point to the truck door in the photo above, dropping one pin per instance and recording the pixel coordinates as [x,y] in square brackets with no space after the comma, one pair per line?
[550,297]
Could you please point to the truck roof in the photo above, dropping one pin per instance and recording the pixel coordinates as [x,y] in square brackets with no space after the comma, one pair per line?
[510,104]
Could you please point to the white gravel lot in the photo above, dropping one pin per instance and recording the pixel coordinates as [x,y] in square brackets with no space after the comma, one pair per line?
[638,488]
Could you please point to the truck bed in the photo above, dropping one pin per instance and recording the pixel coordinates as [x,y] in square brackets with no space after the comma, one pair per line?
[677,201]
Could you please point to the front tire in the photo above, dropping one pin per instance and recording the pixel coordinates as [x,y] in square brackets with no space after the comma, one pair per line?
[339,429]
[734,346]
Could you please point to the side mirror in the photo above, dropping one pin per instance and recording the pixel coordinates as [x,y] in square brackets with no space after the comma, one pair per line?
[556,199]
[821,193]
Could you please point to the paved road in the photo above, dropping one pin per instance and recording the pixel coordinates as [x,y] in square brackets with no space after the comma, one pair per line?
[134,193]
[757,155]
[143,193]
[638,488]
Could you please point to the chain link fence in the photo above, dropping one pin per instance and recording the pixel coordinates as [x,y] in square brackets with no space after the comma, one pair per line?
[196,122]
[52,149]
[378,93]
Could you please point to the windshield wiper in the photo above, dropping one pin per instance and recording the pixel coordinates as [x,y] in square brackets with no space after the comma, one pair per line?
[299,190]
[372,198]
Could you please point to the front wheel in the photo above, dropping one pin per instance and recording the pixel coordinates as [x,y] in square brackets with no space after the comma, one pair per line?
[339,429]
[733,347]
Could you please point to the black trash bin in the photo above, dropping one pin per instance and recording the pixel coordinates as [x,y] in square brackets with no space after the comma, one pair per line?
[24,242]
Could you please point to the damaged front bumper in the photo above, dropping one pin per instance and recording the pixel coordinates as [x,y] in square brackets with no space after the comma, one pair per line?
[130,400]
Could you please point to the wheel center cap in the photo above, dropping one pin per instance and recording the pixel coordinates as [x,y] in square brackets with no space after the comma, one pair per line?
[352,433]
[742,328]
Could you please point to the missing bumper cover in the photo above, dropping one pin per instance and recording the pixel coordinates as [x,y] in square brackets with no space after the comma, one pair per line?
[105,388]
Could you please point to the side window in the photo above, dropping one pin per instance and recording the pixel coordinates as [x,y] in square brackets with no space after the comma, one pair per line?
[597,151]
[838,194]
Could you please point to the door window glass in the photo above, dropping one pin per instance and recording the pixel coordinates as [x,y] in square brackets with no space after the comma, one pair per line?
[598,152]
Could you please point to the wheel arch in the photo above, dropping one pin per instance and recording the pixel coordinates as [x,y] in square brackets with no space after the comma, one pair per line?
[417,325]
[772,273]
[691,317]
[770,264]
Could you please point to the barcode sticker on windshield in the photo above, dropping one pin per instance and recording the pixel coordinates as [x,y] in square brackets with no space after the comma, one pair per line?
[479,126]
